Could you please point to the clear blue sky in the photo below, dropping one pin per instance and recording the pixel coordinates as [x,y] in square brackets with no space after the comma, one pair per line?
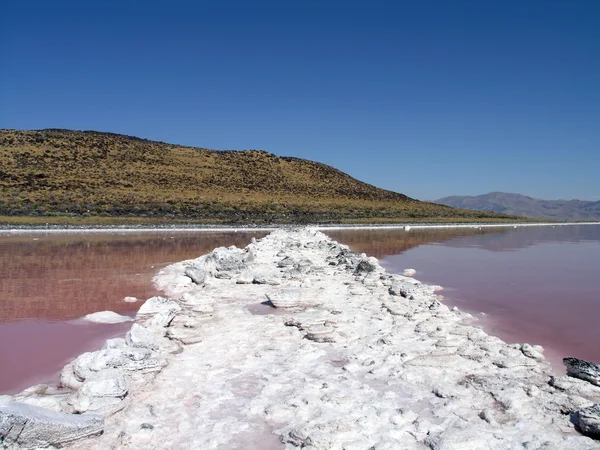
[428,98]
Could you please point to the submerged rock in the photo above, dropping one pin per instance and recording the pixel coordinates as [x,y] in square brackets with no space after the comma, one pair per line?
[34,427]
[583,370]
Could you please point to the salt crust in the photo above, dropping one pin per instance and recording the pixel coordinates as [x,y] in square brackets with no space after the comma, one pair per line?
[359,359]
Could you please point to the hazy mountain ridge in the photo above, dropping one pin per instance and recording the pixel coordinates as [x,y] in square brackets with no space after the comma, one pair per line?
[58,172]
[522,205]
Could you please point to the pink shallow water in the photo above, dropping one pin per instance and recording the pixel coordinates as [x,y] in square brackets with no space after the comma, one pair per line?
[48,282]
[539,285]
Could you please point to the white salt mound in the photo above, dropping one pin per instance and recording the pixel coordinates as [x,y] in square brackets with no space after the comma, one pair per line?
[107,317]
[409,272]
[130,299]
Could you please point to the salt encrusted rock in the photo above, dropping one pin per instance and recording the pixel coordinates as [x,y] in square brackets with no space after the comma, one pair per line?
[43,396]
[221,263]
[312,318]
[157,305]
[582,369]
[102,392]
[131,359]
[533,351]
[366,265]
[68,378]
[197,303]
[587,420]
[250,255]
[130,299]
[30,426]
[114,343]
[398,309]
[139,336]
[285,298]
[321,333]
[185,329]
[265,275]
[246,277]
[305,265]
[576,386]
[158,311]
[409,272]
[344,257]
[286,262]
[107,317]
[197,275]
[419,292]
[401,289]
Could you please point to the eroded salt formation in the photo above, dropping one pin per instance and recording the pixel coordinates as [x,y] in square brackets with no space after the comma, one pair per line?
[351,358]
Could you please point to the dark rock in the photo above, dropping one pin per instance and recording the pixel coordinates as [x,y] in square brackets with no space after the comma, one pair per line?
[587,420]
[365,266]
[34,427]
[584,370]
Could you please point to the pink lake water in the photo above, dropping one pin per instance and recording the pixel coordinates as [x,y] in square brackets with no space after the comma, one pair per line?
[48,282]
[539,285]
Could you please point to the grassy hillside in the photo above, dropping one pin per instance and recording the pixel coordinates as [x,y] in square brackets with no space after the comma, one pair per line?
[86,173]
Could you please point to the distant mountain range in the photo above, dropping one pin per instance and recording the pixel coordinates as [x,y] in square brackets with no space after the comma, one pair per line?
[521,205]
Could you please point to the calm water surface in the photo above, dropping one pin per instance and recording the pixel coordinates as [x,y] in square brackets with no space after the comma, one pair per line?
[538,284]
[48,282]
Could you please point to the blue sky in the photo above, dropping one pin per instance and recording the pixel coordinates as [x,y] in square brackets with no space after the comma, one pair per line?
[428,98]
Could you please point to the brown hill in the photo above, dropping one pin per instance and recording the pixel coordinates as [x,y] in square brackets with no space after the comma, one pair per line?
[63,172]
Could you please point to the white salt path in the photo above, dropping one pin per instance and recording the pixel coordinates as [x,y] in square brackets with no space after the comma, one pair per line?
[350,358]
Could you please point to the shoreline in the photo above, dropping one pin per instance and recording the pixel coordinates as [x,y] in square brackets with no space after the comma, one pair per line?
[245,228]
[337,351]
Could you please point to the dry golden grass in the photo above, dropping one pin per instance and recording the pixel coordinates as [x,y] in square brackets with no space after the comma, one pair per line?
[86,173]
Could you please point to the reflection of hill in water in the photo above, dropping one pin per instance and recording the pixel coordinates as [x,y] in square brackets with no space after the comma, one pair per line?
[59,277]
[381,243]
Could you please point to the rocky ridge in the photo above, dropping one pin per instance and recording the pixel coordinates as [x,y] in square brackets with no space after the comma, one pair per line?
[296,341]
